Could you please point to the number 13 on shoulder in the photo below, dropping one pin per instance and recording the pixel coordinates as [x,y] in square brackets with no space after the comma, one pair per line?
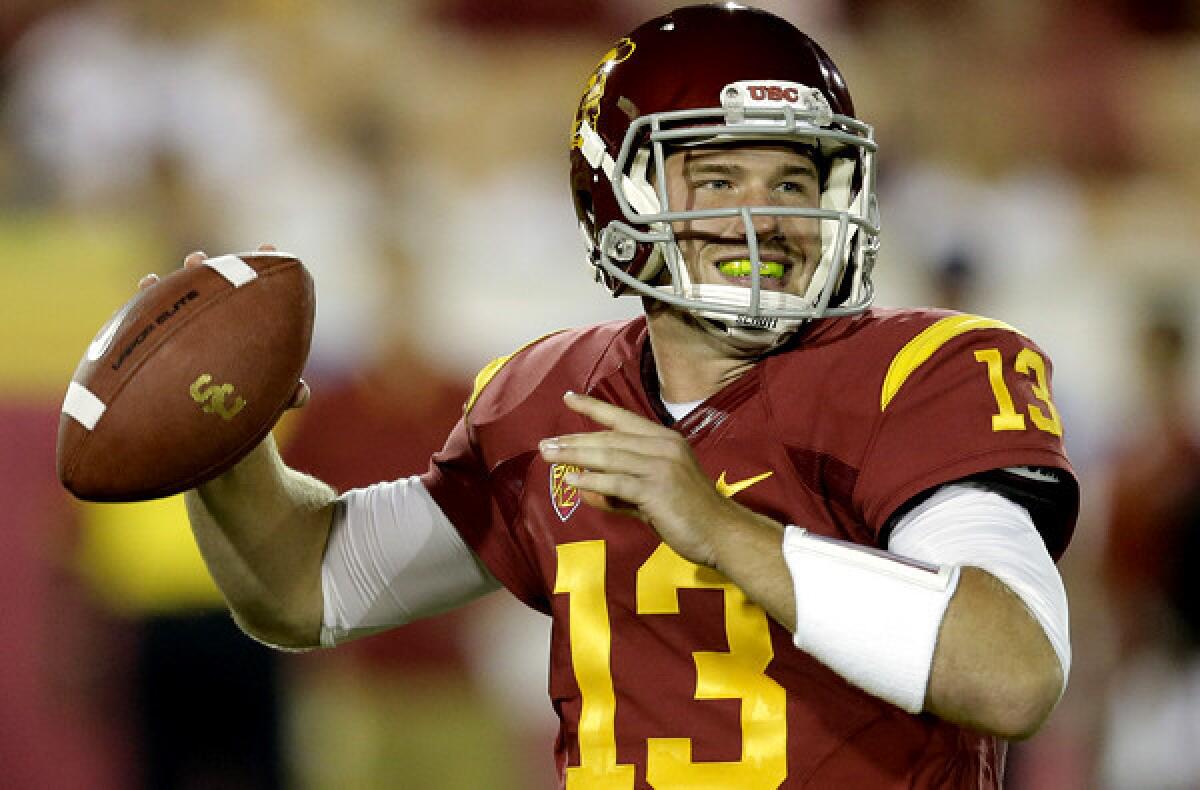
[1028,363]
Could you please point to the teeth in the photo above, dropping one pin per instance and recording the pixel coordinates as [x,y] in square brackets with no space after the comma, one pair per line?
[743,268]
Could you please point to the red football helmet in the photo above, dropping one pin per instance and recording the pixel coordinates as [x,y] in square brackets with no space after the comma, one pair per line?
[721,73]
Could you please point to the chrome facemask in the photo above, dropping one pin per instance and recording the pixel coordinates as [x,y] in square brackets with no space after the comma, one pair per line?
[751,111]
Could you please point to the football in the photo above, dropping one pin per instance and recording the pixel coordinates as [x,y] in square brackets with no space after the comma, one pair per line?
[186,378]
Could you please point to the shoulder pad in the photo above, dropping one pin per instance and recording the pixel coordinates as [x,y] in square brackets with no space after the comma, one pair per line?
[556,361]
[489,371]
[918,350]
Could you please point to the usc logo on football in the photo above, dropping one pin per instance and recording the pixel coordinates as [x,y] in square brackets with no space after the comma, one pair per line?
[589,105]
[212,398]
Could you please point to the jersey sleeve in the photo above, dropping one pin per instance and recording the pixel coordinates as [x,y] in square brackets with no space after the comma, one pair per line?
[474,502]
[956,403]
[477,478]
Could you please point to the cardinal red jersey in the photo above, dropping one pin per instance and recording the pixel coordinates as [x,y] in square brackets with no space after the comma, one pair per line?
[663,674]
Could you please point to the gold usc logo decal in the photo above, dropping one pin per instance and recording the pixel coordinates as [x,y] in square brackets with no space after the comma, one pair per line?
[589,106]
[212,398]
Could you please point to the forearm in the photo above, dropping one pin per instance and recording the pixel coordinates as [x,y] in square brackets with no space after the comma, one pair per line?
[994,668]
[981,658]
[262,529]
[747,551]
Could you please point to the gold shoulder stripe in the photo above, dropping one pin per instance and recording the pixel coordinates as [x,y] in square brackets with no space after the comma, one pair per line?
[925,345]
[489,371]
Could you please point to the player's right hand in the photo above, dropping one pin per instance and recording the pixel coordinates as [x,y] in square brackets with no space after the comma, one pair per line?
[193,259]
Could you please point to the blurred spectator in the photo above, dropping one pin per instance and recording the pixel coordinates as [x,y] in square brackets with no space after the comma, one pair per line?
[954,282]
[1153,493]
[201,700]
[55,730]
[1149,563]
[107,94]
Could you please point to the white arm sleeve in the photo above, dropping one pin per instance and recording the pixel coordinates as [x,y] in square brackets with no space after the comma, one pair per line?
[393,557]
[968,524]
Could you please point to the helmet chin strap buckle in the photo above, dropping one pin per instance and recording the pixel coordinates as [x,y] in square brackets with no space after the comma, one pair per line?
[760,322]
[743,337]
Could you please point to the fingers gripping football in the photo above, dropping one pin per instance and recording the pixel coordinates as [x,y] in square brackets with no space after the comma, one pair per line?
[302,393]
[645,470]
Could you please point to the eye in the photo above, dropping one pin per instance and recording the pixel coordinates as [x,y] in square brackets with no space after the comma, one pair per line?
[794,187]
[713,183]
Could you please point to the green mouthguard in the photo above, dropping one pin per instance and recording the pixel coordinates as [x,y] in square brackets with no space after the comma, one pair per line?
[743,268]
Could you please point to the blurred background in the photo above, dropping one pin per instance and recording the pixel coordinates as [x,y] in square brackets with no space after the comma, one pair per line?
[1038,164]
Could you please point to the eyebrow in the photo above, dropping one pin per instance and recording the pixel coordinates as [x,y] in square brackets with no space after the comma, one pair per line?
[701,167]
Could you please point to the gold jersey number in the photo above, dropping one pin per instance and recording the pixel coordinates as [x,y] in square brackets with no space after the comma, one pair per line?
[738,673]
[1028,363]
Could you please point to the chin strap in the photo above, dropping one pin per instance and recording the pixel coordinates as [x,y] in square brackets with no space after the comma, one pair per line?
[743,338]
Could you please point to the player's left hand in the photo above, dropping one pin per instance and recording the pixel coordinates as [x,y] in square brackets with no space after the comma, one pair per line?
[645,470]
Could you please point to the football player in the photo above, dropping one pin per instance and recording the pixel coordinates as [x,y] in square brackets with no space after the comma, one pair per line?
[786,539]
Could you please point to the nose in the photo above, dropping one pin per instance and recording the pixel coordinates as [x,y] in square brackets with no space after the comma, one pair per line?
[759,196]
[765,225]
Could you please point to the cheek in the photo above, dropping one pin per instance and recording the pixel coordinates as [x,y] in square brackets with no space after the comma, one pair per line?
[701,228]
[686,242]
[692,249]
[676,197]
[807,231]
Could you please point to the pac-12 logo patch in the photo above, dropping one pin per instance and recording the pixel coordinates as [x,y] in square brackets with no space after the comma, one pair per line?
[563,495]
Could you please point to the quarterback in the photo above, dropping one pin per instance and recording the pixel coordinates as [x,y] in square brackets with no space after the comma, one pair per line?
[786,539]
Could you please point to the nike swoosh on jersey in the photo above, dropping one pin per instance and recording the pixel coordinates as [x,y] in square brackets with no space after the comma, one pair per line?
[729,489]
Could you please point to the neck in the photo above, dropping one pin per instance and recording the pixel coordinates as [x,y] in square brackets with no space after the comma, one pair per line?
[692,363]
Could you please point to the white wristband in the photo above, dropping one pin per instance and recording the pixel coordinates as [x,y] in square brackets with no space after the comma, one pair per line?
[870,616]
